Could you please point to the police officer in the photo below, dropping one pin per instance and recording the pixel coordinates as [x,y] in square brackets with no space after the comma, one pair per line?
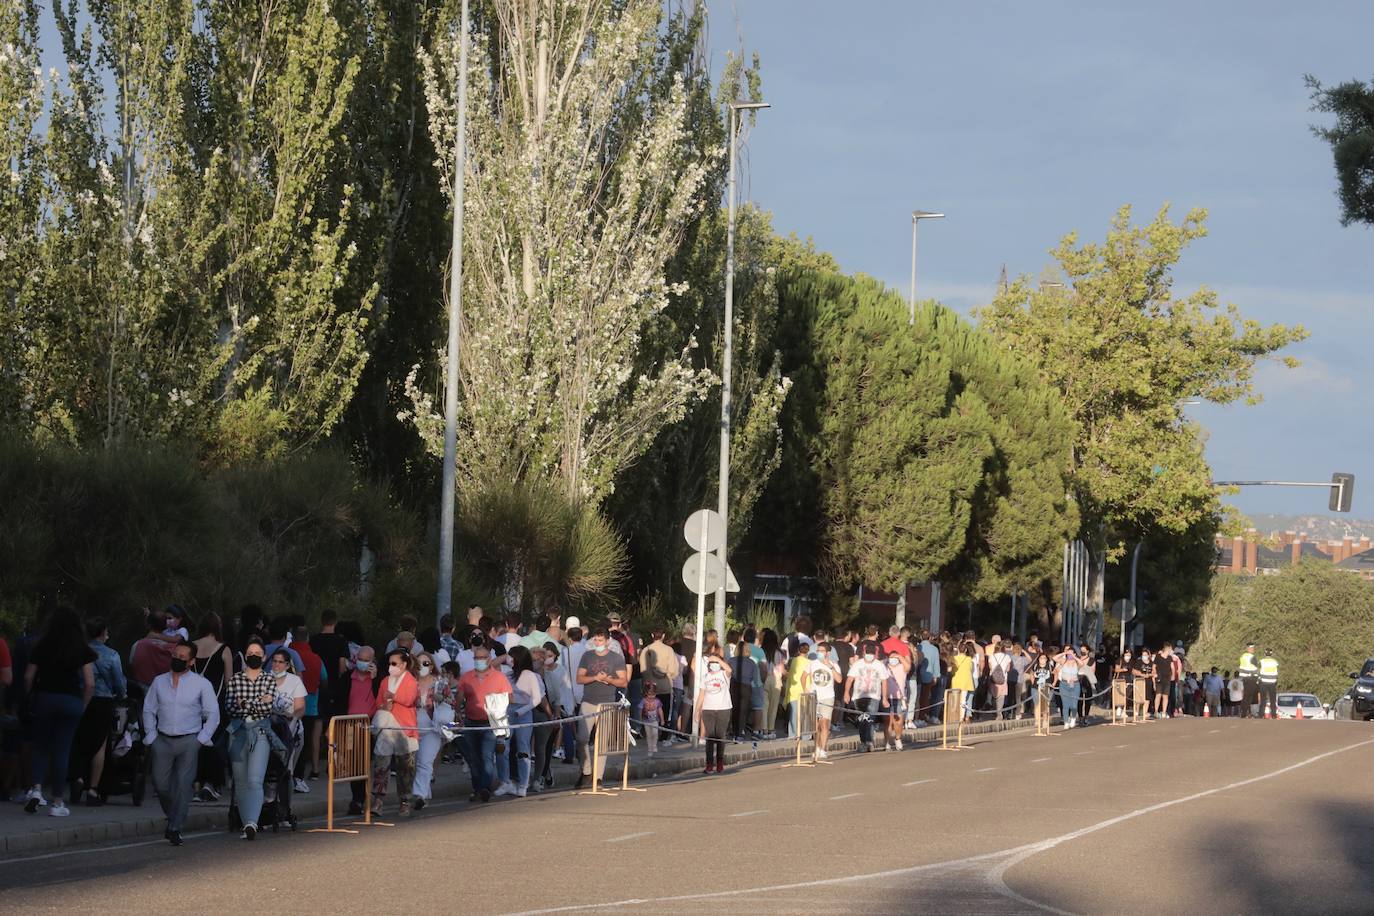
[1249,679]
[1269,684]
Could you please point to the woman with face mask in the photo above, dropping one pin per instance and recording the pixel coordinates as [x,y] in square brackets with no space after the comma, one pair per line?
[1041,673]
[395,740]
[434,708]
[546,665]
[288,712]
[249,699]
[1121,674]
[713,707]
[362,701]
[527,695]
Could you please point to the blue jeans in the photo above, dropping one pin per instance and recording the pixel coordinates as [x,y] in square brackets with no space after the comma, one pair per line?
[249,748]
[55,718]
[479,750]
[1068,698]
[522,738]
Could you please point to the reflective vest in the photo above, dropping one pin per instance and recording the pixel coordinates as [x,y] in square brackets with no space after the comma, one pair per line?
[1269,670]
[1247,665]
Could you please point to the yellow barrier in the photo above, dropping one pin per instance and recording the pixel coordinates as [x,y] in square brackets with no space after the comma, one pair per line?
[958,744]
[612,737]
[1119,693]
[806,712]
[349,760]
[1140,709]
[1043,703]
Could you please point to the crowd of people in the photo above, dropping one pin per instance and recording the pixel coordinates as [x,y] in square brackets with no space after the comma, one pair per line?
[246,715]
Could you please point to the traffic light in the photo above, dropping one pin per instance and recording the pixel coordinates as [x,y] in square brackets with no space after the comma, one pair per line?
[1342,491]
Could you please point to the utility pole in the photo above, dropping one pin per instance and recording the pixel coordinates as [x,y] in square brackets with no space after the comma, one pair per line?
[727,355]
[444,599]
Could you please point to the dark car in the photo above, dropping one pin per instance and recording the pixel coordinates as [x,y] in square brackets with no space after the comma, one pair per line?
[1363,692]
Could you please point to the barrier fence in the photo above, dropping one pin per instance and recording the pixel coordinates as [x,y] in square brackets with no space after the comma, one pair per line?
[612,737]
[958,744]
[806,713]
[349,760]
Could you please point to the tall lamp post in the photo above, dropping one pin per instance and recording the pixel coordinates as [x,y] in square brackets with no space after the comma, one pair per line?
[916,217]
[444,598]
[723,503]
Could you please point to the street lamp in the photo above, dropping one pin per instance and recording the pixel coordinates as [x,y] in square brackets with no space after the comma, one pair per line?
[444,598]
[723,505]
[916,217]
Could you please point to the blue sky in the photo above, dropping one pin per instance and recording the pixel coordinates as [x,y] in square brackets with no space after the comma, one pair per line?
[1023,121]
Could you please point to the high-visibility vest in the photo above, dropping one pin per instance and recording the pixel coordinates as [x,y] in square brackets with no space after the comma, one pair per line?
[1247,665]
[1269,670]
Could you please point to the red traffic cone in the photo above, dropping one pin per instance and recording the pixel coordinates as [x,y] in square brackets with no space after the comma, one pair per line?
[1206,711]
[1299,715]
[1269,712]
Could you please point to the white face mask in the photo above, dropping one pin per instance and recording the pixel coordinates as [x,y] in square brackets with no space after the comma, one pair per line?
[869,656]
[425,670]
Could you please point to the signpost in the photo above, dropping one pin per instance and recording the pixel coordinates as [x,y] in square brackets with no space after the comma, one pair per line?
[704,573]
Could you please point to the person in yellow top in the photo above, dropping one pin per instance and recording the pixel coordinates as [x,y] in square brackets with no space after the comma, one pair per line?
[962,678]
[1248,670]
[797,664]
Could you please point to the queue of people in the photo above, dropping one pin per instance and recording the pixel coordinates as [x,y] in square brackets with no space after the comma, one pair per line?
[246,717]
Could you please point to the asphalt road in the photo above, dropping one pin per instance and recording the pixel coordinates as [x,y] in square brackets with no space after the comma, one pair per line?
[1186,816]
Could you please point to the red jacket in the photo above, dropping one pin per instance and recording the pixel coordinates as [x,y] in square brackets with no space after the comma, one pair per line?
[402,701]
[311,664]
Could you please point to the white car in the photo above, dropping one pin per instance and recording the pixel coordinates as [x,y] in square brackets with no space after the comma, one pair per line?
[1312,707]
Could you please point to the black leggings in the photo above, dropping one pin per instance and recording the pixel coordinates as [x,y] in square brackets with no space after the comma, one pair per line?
[1268,698]
[715,723]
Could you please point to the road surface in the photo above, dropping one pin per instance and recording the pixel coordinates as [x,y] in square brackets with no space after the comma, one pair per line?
[1185,816]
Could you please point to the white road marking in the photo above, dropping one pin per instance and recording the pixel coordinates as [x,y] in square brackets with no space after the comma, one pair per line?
[1215,730]
[750,813]
[1042,760]
[630,836]
[1081,753]
[918,782]
[1120,746]
[985,770]
[843,797]
[1009,857]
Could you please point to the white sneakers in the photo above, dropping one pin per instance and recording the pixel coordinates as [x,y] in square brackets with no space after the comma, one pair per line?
[505,788]
[899,744]
[300,785]
[59,809]
[821,755]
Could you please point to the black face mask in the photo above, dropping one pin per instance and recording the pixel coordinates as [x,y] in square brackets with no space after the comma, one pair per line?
[253,661]
[179,665]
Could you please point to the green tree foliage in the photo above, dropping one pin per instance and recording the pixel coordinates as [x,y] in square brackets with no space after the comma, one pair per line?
[196,248]
[1352,144]
[922,452]
[1316,619]
[112,530]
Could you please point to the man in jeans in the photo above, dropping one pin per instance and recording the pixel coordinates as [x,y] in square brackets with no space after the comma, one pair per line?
[600,672]
[180,715]
[479,741]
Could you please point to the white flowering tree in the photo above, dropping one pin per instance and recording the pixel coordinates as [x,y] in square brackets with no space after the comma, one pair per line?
[581,178]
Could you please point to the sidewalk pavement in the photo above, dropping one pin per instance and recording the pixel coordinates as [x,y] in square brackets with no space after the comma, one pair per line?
[119,819]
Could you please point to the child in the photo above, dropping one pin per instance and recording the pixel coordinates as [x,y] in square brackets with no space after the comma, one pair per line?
[653,718]
[896,700]
[174,629]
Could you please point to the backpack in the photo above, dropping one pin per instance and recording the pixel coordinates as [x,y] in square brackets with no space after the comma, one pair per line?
[999,673]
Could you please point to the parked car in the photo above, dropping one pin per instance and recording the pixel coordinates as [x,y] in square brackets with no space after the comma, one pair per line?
[1344,706]
[1288,704]
[1363,692]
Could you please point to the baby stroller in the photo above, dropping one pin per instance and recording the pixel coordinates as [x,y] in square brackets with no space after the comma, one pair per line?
[276,782]
[126,756]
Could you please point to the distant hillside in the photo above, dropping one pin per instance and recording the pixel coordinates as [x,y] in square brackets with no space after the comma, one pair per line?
[1317,527]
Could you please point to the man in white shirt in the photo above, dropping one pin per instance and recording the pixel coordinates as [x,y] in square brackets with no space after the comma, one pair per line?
[180,715]
[864,689]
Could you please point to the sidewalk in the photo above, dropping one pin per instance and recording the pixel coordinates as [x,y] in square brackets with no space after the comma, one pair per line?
[119,819]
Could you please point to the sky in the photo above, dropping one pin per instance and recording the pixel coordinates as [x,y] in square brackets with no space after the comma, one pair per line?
[1025,121]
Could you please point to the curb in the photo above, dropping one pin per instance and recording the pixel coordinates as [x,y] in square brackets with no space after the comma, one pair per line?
[217,818]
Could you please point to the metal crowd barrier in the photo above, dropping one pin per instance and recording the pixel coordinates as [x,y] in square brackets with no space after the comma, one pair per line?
[958,744]
[350,760]
[612,737]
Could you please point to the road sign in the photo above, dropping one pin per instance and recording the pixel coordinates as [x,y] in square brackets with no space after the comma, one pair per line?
[703,581]
[1124,610]
[705,530]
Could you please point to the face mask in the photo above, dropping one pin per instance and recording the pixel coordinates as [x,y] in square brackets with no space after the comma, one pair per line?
[602,649]
[397,669]
[253,661]
[714,666]
[279,674]
[551,664]
[179,665]
[869,656]
[893,663]
[480,664]
[363,667]
[425,670]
